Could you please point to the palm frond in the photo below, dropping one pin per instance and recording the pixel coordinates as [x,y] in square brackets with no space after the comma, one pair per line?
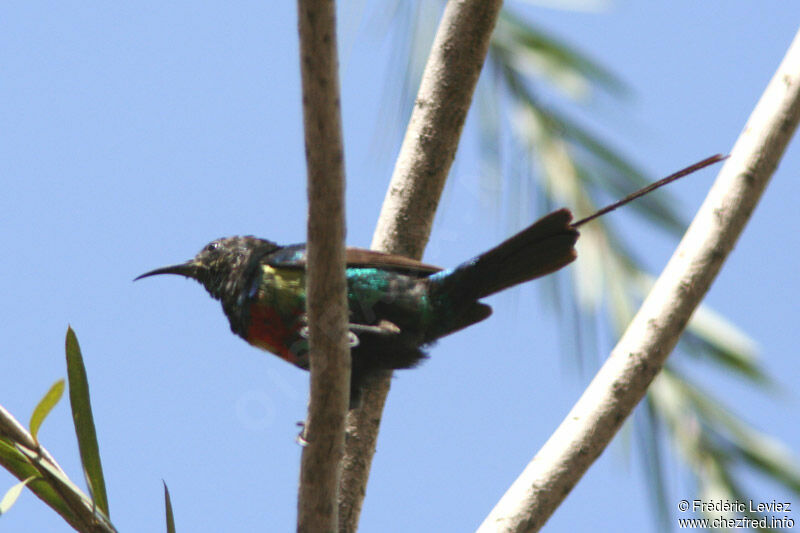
[715,443]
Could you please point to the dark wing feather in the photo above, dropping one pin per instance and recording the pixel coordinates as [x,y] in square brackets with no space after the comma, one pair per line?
[294,256]
[360,257]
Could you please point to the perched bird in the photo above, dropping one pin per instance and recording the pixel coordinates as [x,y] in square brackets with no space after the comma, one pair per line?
[398,306]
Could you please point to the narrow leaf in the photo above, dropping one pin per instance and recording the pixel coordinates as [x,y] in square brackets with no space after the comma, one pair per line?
[44,407]
[168,505]
[761,451]
[551,58]
[719,339]
[22,467]
[599,164]
[13,493]
[650,433]
[71,503]
[84,422]
[8,453]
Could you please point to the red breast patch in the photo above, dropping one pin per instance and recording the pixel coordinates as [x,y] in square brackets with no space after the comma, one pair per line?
[269,331]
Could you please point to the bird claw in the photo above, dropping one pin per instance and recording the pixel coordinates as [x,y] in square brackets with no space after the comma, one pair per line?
[352,338]
[301,437]
[384,327]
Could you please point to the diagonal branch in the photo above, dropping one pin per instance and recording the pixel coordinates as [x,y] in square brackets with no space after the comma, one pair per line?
[52,486]
[654,331]
[326,285]
[404,226]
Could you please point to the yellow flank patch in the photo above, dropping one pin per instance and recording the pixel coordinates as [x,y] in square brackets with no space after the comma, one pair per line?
[284,288]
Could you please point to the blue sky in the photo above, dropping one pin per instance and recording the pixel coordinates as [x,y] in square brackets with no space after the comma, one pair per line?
[132,134]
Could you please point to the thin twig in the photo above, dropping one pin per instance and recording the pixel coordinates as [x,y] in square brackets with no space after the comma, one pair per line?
[636,360]
[404,226]
[326,285]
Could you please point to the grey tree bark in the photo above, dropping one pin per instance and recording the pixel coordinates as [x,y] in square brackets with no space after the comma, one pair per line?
[320,468]
[404,226]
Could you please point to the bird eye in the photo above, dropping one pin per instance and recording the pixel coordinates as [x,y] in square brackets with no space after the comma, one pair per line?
[210,247]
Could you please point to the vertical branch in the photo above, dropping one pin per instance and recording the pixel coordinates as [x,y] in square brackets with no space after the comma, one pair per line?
[404,226]
[326,285]
[654,331]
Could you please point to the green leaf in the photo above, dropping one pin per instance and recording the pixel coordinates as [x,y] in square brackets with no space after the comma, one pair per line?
[84,422]
[760,451]
[649,430]
[69,498]
[8,453]
[12,494]
[168,505]
[533,52]
[716,443]
[44,407]
[22,467]
[597,164]
[712,335]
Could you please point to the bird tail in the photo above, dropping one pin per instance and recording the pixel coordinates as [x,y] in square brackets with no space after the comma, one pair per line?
[544,247]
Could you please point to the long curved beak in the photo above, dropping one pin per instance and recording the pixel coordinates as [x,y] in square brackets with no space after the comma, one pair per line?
[188,269]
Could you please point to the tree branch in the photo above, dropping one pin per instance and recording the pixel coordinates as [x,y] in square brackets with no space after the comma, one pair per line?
[654,331]
[404,225]
[53,486]
[326,284]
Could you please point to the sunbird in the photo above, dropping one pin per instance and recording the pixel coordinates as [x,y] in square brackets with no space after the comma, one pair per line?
[397,306]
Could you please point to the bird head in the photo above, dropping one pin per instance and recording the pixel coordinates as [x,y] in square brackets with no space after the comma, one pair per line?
[223,266]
